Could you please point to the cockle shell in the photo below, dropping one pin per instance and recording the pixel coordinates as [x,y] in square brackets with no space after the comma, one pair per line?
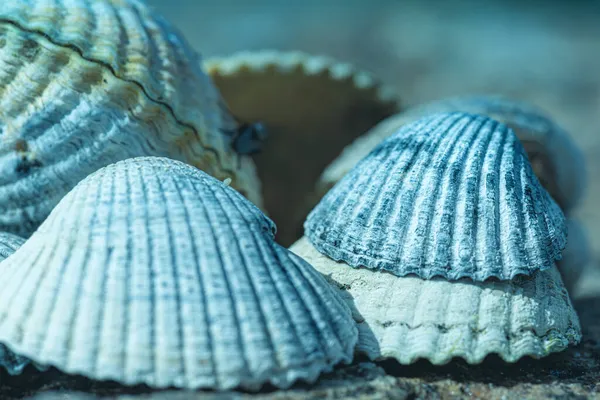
[150,271]
[9,243]
[450,195]
[577,254]
[14,364]
[409,318]
[312,106]
[84,84]
[557,161]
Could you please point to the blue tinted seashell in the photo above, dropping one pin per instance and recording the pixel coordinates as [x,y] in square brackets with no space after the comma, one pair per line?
[451,195]
[151,271]
[9,243]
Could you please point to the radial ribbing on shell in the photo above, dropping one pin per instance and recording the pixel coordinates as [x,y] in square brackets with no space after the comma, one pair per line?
[87,83]
[150,271]
[9,243]
[451,195]
[409,318]
[558,162]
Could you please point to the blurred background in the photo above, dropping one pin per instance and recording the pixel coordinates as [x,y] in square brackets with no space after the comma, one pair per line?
[544,52]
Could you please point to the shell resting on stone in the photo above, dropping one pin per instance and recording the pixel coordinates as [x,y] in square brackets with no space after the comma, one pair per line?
[557,161]
[408,318]
[312,106]
[450,195]
[86,83]
[150,271]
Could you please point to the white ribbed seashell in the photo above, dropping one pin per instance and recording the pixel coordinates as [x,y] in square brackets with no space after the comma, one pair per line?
[151,271]
[577,254]
[87,83]
[450,195]
[556,159]
[9,243]
[14,364]
[408,318]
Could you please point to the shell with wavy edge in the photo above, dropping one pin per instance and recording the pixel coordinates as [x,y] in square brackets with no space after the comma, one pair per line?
[450,195]
[150,271]
[14,364]
[312,106]
[410,318]
[557,161]
[84,84]
[577,254]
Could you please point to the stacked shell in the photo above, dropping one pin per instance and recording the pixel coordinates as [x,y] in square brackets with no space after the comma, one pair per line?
[556,160]
[312,106]
[84,84]
[150,271]
[444,243]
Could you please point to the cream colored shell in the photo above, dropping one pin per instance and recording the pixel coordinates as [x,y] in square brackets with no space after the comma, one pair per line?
[87,83]
[410,318]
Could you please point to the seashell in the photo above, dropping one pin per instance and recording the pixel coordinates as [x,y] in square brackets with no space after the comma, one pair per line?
[557,161]
[312,106]
[450,195]
[84,84]
[410,318]
[577,254]
[150,271]
[14,364]
[9,243]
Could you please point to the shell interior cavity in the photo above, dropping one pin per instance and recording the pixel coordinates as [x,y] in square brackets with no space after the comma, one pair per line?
[151,271]
[311,107]
[451,195]
[408,318]
[86,83]
[556,159]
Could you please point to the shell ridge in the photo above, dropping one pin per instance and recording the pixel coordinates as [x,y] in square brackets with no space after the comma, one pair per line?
[201,279]
[424,218]
[175,266]
[208,149]
[126,326]
[314,278]
[237,319]
[397,208]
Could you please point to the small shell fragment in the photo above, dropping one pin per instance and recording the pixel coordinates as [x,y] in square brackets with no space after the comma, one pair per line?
[151,271]
[451,195]
[311,106]
[86,83]
[408,318]
[557,161]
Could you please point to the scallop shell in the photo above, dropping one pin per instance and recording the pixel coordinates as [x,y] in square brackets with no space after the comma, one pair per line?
[84,84]
[312,107]
[577,254]
[9,243]
[450,195]
[556,159]
[410,318]
[14,364]
[150,271]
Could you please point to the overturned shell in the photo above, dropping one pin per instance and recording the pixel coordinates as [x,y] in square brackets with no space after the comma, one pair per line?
[410,318]
[9,243]
[557,161]
[150,271]
[450,195]
[577,254]
[84,84]
[311,106]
